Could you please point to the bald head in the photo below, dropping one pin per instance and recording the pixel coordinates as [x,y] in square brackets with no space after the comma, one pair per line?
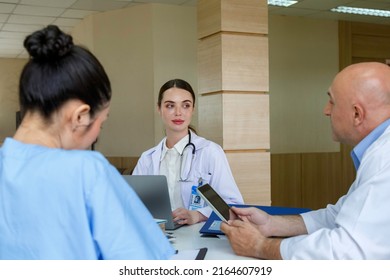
[368,82]
[360,101]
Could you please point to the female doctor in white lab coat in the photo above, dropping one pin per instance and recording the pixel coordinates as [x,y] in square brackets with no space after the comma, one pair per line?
[187,160]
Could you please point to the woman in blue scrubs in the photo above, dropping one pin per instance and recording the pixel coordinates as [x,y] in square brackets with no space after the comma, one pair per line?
[59,200]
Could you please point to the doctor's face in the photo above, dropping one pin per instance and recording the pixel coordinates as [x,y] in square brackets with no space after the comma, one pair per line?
[340,111]
[176,109]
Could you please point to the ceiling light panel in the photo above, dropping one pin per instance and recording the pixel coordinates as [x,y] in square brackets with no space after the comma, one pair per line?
[282,3]
[361,11]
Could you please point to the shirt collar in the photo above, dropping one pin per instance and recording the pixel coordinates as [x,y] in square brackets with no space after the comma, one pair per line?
[179,146]
[359,150]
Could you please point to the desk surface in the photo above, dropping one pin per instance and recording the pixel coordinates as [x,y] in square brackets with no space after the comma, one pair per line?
[189,238]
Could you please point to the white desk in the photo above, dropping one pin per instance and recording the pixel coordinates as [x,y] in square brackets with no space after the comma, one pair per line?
[188,238]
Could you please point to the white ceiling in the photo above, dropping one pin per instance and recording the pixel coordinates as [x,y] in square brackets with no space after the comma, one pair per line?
[19,18]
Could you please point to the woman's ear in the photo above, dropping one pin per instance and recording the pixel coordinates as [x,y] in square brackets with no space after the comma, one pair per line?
[81,116]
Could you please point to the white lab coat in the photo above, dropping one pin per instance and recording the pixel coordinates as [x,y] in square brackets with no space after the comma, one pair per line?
[358,225]
[210,164]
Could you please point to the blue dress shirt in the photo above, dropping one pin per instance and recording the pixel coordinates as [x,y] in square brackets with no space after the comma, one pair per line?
[358,152]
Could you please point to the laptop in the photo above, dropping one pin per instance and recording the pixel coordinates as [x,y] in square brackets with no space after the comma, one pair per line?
[153,191]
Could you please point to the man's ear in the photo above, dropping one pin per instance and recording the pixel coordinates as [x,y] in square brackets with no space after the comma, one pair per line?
[359,114]
[81,116]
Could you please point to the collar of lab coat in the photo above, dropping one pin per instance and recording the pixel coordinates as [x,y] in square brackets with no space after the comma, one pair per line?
[198,141]
[179,146]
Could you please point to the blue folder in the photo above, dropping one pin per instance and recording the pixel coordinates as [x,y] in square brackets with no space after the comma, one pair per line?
[213,223]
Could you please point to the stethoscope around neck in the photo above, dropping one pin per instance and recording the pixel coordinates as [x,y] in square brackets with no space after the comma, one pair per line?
[188,151]
[186,159]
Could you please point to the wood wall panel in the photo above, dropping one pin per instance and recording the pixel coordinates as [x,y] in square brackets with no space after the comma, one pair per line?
[210,64]
[245,63]
[116,161]
[371,46]
[246,121]
[321,179]
[252,173]
[233,62]
[210,117]
[310,180]
[286,180]
[361,42]
[233,84]
[358,28]
[209,17]
[125,165]
[345,39]
[248,16]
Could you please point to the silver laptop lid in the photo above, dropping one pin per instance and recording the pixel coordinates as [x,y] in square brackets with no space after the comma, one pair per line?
[153,191]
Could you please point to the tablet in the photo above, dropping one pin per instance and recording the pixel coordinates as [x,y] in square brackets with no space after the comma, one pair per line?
[220,207]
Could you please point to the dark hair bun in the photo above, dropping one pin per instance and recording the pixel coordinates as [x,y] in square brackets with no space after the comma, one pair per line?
[48,43]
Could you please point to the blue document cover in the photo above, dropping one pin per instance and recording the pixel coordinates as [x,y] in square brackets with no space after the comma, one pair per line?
[212,225]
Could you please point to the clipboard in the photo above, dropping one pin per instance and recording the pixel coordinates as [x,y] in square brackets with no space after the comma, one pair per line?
[212,225]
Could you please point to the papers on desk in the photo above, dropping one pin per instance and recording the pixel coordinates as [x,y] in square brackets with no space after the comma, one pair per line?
[197,254]
[215,225]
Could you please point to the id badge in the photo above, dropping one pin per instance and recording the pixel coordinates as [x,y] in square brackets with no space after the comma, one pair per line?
[196,201]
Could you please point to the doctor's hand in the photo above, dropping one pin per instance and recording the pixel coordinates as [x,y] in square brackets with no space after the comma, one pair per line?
[257,217]
[185,216]
[247,240]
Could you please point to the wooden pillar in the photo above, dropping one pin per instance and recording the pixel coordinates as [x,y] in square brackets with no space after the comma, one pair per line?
[233,89]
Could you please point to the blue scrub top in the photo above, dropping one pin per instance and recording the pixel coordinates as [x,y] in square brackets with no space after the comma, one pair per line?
[61,204]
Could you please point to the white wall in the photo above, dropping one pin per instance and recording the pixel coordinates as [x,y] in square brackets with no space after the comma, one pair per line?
[174,52]
[303,62]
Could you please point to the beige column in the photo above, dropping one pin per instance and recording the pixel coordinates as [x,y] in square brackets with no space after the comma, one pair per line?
[233,89]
